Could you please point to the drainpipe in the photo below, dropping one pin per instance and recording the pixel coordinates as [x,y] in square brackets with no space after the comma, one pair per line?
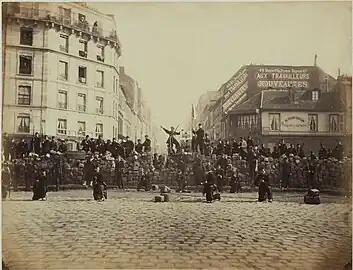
[4,36]
[42,87]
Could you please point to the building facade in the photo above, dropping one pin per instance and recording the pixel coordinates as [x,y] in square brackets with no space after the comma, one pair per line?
[61,70]
[307,117]
[137,115]
[250,80]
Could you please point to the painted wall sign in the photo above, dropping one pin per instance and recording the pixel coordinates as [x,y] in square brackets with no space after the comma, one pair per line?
[294,123]
[235,82]
[235,98]
[282,77]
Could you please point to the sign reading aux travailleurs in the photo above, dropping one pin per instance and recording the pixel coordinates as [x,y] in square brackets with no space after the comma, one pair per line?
[283,77]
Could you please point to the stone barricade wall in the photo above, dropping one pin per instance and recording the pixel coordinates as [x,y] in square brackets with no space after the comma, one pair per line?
[329,173]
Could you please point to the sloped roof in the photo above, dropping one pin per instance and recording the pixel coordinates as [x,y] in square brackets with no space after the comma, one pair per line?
[248,106]
[279,100]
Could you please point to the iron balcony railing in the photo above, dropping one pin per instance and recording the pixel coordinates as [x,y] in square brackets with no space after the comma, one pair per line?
[15,10]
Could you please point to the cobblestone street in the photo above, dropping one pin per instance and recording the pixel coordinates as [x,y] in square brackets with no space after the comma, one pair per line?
[71,231]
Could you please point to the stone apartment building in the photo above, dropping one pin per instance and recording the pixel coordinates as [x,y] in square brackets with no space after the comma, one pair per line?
[61,70]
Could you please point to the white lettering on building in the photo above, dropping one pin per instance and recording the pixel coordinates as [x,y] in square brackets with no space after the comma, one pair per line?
[235,82]
[235,98]
[282,78]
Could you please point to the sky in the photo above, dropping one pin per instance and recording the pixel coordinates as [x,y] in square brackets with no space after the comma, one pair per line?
[179,51]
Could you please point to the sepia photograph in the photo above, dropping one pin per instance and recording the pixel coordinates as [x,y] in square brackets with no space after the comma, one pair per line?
[176,135]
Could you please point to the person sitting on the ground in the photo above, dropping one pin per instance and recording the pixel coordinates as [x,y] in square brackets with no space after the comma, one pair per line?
[99,186]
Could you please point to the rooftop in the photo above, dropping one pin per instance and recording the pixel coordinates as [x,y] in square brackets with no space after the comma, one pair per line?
[280,100]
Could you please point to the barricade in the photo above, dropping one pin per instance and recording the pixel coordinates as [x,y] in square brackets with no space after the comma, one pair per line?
[329,173]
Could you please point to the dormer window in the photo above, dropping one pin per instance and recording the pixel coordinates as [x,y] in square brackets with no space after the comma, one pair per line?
[315,95]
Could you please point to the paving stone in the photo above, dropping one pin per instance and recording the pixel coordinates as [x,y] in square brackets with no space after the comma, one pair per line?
[133,234]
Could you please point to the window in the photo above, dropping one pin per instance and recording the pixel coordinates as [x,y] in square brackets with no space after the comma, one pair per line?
[26,37]
[83,51]
[99,108]
[315,95]
[81,102]
[114,88]
[63,70]
[100,54]
[81,17]
[24,95]
[114,109]
[25,65]
[62,99]
[64,43]
[100,79]
[247,121]
[120,125]
[23,121]
[115,131]
[313,119]
[62,127]
[82,74]
[274,121]
[99,130]
[81,128]
[336,123]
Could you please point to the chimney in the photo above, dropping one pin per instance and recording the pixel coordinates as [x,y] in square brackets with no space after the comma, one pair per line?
[291,93]
[315,60]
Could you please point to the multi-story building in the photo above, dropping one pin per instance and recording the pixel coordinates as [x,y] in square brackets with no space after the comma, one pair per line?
[61,70]
[307,117]
[249,80]
[137,116]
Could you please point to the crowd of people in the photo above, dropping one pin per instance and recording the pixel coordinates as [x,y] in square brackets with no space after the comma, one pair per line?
[214,165]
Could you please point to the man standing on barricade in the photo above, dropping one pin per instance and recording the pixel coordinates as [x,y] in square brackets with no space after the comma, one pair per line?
[171,140]
[86,144]
[6,146]
[121,150]
[147,145]
[139,146]
[114,148]
[119,170]
[200,134]
[207,142]
[36,144]
[53,144]
[128,146]
[100,144]
[45,145]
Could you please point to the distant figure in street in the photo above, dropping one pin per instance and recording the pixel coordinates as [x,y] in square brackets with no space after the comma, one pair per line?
[40,186]
[99,186]
[265,191]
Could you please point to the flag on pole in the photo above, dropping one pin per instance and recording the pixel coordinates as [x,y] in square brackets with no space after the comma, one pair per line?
[193,112]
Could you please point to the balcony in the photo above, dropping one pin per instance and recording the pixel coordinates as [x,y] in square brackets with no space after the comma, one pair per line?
[82,53]
[17,11]
[62,105]
[63,48]
[100,58]
[82,80]
[81,108]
